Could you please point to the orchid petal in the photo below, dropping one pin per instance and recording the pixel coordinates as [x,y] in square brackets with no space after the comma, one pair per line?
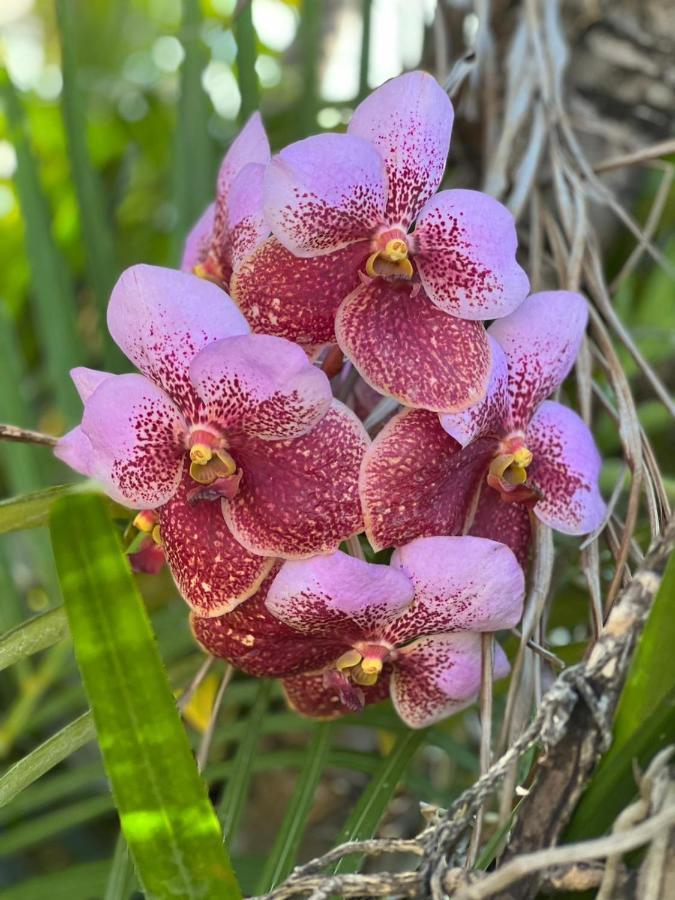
[136,435]
[213,572]
[256,642]
[406,348]
[161,318]
[338,595]
[437,676]
[296,298]
[409,120]
[508,523]
[417,481]
[565,469]
[461,584]
[299,497]
[312,695]
[489,415]
[541,340]
[465,251]
[324,193]
[260,384]
[251,145]
[198,241]
[246,223]
[87,380]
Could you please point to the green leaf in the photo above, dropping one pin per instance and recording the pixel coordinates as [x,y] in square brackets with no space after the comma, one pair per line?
[234,796]
[75,882]
[49,754]
[371,807]
[644,722]
[96,233]
[282,857]
[34,831]
[121,878]
[32,510]
[54,307]
[32,636]
[165,813]
[247,77]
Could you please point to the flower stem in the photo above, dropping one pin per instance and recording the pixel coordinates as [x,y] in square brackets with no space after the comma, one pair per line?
[25,436]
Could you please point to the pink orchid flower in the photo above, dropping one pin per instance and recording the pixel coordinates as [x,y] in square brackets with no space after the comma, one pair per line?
[233,438]
[485,468]
[232,227]
[343,264]
[344,632]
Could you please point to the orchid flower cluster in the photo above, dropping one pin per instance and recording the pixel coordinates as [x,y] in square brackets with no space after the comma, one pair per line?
[248,475]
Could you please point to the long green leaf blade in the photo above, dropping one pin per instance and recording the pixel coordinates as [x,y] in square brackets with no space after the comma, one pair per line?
[167,819]
[282,858]
[247,77]
[32,636]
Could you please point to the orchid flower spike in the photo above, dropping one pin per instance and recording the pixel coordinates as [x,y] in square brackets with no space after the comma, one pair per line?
[233,438]
[484,468]
[233,225]
[405,306]
[345,632]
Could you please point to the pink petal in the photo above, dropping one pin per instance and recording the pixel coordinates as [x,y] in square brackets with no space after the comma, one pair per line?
[261,384]
[300,497]
[541,340]
[325,192]
[489,415]
[198,241]
[87,380]
[136,435]
[437,676]
[75,450]
[256,642]
[161,318]
[338,595]
[461,584]
[409,120]
[251,145]
[565,468]
[310,695]
[405,347]
[465,250]
[296,298]
[417,481]
[213,572]
[245,221]
[508,523]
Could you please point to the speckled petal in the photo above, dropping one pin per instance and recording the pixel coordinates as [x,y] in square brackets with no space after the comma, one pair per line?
[508,523]
[213,572]
[461,584]
[541,340]
[339,595]
[409,120]
[417,481]
[296,298]
[310,696]
[148,559]
[87,380]
[263,385]
[300,497]
[75,450]
[325,192]
[161,318]
[245,220]
[437,676]
[198,241]
[136,435]
[255,641]
[465,250]
[405,347]
[489,415]
[565,470]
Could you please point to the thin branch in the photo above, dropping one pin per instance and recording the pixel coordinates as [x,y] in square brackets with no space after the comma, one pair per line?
[26,436]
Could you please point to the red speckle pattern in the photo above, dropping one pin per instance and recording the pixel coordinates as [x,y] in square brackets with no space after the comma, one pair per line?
[299,497]
[212,571]
[256,642]
[310,695]
[505,522]
[406,348]
[416,480]
[294,297]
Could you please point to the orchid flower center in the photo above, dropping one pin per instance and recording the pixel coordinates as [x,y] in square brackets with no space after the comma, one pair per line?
[390,257]
[211,465]
[147,522]
[508,470]
[363,666]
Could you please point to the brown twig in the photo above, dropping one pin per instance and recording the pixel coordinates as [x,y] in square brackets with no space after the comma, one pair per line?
[26,436]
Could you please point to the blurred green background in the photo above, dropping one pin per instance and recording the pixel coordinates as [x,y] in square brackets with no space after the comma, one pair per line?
[113,119]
